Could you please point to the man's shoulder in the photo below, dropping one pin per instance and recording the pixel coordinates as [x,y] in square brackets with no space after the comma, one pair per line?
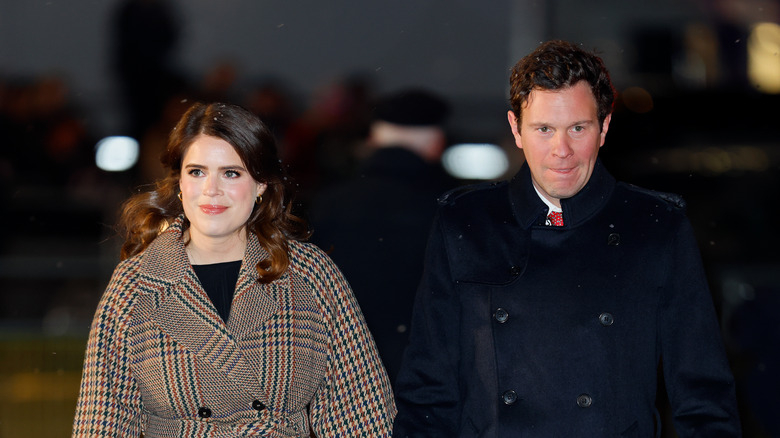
[671,201]
[470,194]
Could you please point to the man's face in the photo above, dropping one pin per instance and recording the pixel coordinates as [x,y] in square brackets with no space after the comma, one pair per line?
[560,136]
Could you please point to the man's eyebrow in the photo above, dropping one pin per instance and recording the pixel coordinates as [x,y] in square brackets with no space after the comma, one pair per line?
[579,122]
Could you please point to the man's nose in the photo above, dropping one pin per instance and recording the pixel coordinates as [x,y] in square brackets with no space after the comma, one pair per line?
[561,146]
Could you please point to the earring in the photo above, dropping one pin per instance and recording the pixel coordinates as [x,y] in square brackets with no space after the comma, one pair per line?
[259,199]
[179,196]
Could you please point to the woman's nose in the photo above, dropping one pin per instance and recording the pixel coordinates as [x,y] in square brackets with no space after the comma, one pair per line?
[211,186]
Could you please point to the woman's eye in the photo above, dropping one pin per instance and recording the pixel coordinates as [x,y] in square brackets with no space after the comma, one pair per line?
[196,172]
[232,174]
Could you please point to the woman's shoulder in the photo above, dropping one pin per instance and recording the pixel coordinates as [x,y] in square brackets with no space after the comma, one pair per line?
[308,260]
[310,265]
[120,294]
[127,268]
[303,254]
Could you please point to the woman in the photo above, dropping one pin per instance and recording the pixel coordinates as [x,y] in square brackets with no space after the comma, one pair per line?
[218,321]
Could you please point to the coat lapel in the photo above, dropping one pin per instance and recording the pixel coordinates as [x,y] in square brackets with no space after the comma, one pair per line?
[185,313]
[253,302]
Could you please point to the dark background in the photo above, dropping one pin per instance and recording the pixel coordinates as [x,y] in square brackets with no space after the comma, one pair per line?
[689,119]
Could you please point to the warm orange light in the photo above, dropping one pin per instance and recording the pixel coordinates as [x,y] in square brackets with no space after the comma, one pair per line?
[764,57]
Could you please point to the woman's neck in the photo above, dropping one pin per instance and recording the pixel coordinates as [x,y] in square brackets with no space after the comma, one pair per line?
[208,251]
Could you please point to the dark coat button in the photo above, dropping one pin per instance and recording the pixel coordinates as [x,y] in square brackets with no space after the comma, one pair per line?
[606,319]
[258,405]
[501,315]
[584,401]
[509,397]
[204,412]
[514,270]
[613,239]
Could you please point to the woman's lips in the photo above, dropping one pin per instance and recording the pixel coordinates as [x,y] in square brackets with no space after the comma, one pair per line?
[212,209]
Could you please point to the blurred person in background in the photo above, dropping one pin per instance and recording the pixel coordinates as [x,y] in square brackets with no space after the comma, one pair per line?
[550,302]
[145,38]
[319,145]
[219,320]
[374,225]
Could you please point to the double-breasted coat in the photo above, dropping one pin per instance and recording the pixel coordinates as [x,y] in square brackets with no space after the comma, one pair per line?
[294,356]
[527,330]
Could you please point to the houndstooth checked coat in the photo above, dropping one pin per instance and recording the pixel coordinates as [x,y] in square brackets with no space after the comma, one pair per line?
[294,356]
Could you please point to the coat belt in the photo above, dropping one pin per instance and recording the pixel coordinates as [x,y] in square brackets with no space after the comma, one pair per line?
[291,426]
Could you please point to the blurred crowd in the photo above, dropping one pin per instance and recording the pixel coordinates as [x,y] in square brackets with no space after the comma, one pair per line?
[59,204]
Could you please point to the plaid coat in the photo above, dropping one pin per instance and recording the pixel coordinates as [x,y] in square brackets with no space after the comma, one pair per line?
[294,356]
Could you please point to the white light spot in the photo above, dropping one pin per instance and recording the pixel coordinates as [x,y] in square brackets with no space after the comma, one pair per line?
[116,153]
[475,161]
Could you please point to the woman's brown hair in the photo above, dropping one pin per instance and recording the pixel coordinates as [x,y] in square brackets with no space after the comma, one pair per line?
[272,221]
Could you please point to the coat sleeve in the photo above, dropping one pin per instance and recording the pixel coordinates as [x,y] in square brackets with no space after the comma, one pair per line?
[696,371]
[355,397]
[427,388]
[109,402]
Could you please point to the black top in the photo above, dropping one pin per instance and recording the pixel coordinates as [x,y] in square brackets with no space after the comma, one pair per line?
[219,281]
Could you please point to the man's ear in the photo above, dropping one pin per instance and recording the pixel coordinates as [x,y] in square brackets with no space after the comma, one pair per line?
[605,128]
[512,119]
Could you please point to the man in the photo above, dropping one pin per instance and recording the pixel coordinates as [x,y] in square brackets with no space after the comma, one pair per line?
[374,226]
[529,324]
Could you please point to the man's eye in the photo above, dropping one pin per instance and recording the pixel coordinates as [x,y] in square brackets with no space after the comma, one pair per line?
[544,129]
[578,128]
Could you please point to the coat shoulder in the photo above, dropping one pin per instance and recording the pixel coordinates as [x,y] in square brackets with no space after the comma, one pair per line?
[305,256]
[480,205]
[122,292]
[470,193]
[311,263]
[125,274]
[672,201]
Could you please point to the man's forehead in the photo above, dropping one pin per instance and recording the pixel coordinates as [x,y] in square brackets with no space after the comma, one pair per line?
[568,98]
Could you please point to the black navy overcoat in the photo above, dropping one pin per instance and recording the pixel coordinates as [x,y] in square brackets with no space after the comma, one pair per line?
[526,330]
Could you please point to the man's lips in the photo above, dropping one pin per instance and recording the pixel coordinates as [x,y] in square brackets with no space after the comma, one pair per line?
[563,170]
[212,209]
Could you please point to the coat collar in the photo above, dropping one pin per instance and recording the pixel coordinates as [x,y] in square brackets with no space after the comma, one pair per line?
[530,210]
[184,311]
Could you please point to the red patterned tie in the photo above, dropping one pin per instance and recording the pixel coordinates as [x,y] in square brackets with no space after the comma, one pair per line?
[556,218]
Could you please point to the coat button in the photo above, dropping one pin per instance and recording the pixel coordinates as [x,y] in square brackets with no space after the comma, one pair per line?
[501,315]
[613,239]
[258,405]
[204,412]
[584,401]
[509,397]
[514,270]
[606,319]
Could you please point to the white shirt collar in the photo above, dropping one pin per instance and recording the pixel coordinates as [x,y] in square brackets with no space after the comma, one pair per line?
[550,205]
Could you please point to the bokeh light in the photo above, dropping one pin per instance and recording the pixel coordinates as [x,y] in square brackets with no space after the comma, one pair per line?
[764,57]
[116,153]
[477,161]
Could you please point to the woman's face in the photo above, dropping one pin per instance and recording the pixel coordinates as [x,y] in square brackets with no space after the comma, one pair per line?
[217,192]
